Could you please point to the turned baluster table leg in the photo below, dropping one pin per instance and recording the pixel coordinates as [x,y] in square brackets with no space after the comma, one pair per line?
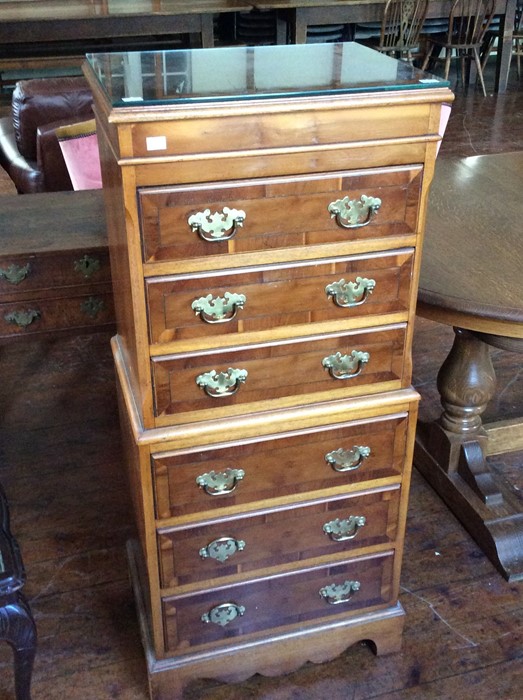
[471,279]
[466,383]
[450,452]
[17,626]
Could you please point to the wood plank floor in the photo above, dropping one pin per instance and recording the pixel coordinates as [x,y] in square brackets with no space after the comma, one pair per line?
[60,464]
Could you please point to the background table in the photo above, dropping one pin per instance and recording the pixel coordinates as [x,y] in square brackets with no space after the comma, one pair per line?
[59,20]
[304,13]
[472,279]
[50,21]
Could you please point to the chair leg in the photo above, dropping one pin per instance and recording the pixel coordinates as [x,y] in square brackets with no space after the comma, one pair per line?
[427,58]
[487,50]
[464,70]
[480,71]
[17,627]
[448,56]
[24,660]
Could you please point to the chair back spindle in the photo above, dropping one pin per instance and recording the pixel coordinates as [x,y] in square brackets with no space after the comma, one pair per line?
[401,27]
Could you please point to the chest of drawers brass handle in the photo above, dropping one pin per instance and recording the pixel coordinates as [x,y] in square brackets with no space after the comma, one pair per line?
[220,384]
[335,594]
[220,226]
[347,529]
[348,294]
[223,614]
[354,213]
[92,306]
[87,266]
[220,483]
[345,366]
[14,274]
[222,549]
[218,309]
[347,460]
[22,319]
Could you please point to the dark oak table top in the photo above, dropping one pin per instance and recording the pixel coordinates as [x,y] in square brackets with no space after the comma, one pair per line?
[29,222]
[34,21]
[472,265]
[52,10]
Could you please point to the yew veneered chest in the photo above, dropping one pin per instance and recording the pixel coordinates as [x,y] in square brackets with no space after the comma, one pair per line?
[266,209]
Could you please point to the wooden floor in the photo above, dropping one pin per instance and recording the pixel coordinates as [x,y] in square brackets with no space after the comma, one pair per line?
[60,464]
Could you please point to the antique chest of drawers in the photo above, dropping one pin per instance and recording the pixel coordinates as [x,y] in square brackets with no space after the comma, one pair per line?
[265,213]
[54,265]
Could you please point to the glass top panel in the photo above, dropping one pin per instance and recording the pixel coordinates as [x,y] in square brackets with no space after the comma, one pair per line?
[222,74]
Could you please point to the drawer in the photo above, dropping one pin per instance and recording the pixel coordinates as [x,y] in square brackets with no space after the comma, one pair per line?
[277,536]
[297,463]
[268,297]
[301,128]
[58,313]
[275,603]
[277,213]
[216,384]
[22,275]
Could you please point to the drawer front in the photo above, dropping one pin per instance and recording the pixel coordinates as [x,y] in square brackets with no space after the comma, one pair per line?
[277,537]
[300,129]
[23,274]
[223,383]
[264,298]
[280,212]
[298,463]
[53,314]
[274,603]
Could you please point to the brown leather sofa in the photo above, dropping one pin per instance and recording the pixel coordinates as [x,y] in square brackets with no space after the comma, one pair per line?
[29,149]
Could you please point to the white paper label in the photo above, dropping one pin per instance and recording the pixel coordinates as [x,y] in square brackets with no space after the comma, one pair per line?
[156,143]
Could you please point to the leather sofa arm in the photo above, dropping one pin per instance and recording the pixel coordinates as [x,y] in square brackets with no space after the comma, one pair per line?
[50,158]
[25,174]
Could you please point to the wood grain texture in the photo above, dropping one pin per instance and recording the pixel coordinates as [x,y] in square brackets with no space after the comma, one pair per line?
[278,213]
[54,278]
[282,162]
[484,293]
[487,295]
[462,630]
[277,297]
[290,464]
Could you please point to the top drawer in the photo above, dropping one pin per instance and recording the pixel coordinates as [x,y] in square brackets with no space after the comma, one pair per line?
[217,220]
[260,130]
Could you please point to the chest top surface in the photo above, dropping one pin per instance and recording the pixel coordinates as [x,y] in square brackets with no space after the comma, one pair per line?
[225,75]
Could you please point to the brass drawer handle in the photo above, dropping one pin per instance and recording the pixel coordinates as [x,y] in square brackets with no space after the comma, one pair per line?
[218,309]
[22,318]
[220,384]
[92,306]
[222,549]
[220,226]
[346,366]
[347,460]
[347,529]
[354,213]
[87,266]
[14,274]
[335,594]
[220,483]
[223,614]
[349,294]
